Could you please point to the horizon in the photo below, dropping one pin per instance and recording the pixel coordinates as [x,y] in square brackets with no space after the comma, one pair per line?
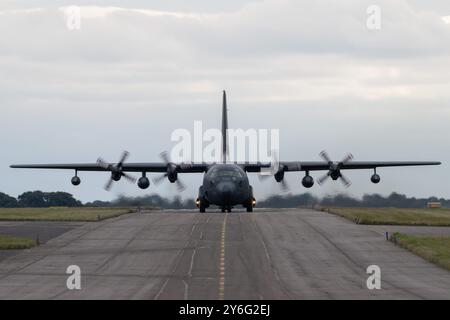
[285,195]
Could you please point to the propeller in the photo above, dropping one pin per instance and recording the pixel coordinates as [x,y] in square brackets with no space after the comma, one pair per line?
[284,185]
[278,173]
[116,170]
[334,171]
[171,174]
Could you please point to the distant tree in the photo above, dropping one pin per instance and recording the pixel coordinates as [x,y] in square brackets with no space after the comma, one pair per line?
[98,204]
[341,200]
[373,200]
[189,204]
[176,203]
[7,202]
[61,199]
[288,201]
[398,200]
[39,199]
[155,201]
[32,199]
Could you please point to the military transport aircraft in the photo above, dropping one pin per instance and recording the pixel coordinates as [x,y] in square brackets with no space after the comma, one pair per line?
[225,184]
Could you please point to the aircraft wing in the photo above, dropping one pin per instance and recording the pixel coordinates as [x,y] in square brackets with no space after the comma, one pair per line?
[126,167]
[321,165]
[202,167]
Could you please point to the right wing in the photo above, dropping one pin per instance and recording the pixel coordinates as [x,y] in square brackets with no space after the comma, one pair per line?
[126,167]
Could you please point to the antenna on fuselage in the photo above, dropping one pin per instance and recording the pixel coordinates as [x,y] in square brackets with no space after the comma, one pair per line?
[224,128]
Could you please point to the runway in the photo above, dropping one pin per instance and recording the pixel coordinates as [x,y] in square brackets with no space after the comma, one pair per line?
[268,254]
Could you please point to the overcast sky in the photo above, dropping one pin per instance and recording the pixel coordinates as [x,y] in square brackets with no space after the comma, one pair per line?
[137,70]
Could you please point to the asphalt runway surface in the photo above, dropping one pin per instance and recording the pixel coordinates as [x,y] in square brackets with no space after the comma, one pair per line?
[268,254]
[39,230]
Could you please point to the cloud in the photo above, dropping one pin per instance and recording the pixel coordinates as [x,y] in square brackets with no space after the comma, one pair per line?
[268,27]
[135,72]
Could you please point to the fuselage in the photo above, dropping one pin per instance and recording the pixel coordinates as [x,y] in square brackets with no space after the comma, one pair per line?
[226,185]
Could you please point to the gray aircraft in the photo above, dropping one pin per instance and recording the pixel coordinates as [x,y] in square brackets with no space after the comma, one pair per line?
[225,184]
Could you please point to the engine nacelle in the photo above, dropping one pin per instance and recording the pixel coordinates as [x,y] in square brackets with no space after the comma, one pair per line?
[308,181]
[172,173]
[336,174]
[375,178]
[116,175]
[279,176]
[173,176]
[76,181]
[143,183]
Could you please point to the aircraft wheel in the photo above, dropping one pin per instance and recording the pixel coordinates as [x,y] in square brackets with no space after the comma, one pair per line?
[202,209]
[250,209]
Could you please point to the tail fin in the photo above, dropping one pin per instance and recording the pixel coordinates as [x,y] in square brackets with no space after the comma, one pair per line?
[224,128]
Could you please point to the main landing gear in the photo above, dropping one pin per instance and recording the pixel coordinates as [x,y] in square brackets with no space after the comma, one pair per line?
[250,205]
[201,205]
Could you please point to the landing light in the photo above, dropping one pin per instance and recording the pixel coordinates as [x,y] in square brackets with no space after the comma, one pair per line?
[254,202]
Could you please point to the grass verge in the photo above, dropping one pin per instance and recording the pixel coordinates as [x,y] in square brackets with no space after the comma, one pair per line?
[12,243]
[431,248]
[394,216]
[61,214]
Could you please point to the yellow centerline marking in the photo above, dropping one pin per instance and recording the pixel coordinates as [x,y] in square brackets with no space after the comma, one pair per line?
[222,259]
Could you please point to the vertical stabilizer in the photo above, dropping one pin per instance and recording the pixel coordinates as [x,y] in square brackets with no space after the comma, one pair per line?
[224,128]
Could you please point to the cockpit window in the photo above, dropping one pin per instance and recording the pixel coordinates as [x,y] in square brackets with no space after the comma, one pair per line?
[231,173]
[228,174]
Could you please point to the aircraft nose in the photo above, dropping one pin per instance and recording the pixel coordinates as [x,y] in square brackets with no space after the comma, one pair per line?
[226,190]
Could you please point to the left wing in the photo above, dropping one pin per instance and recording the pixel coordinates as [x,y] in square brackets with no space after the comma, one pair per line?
[320,165]
[333,169]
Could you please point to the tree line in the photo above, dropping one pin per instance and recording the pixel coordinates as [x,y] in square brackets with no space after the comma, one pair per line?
[39,199]
[341,200]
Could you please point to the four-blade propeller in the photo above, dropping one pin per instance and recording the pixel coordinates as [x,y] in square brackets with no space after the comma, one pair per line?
[334,171]
[278,174]
[171,174]
[116,170]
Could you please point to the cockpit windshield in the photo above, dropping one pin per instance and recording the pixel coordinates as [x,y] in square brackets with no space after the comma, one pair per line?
[230,173]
